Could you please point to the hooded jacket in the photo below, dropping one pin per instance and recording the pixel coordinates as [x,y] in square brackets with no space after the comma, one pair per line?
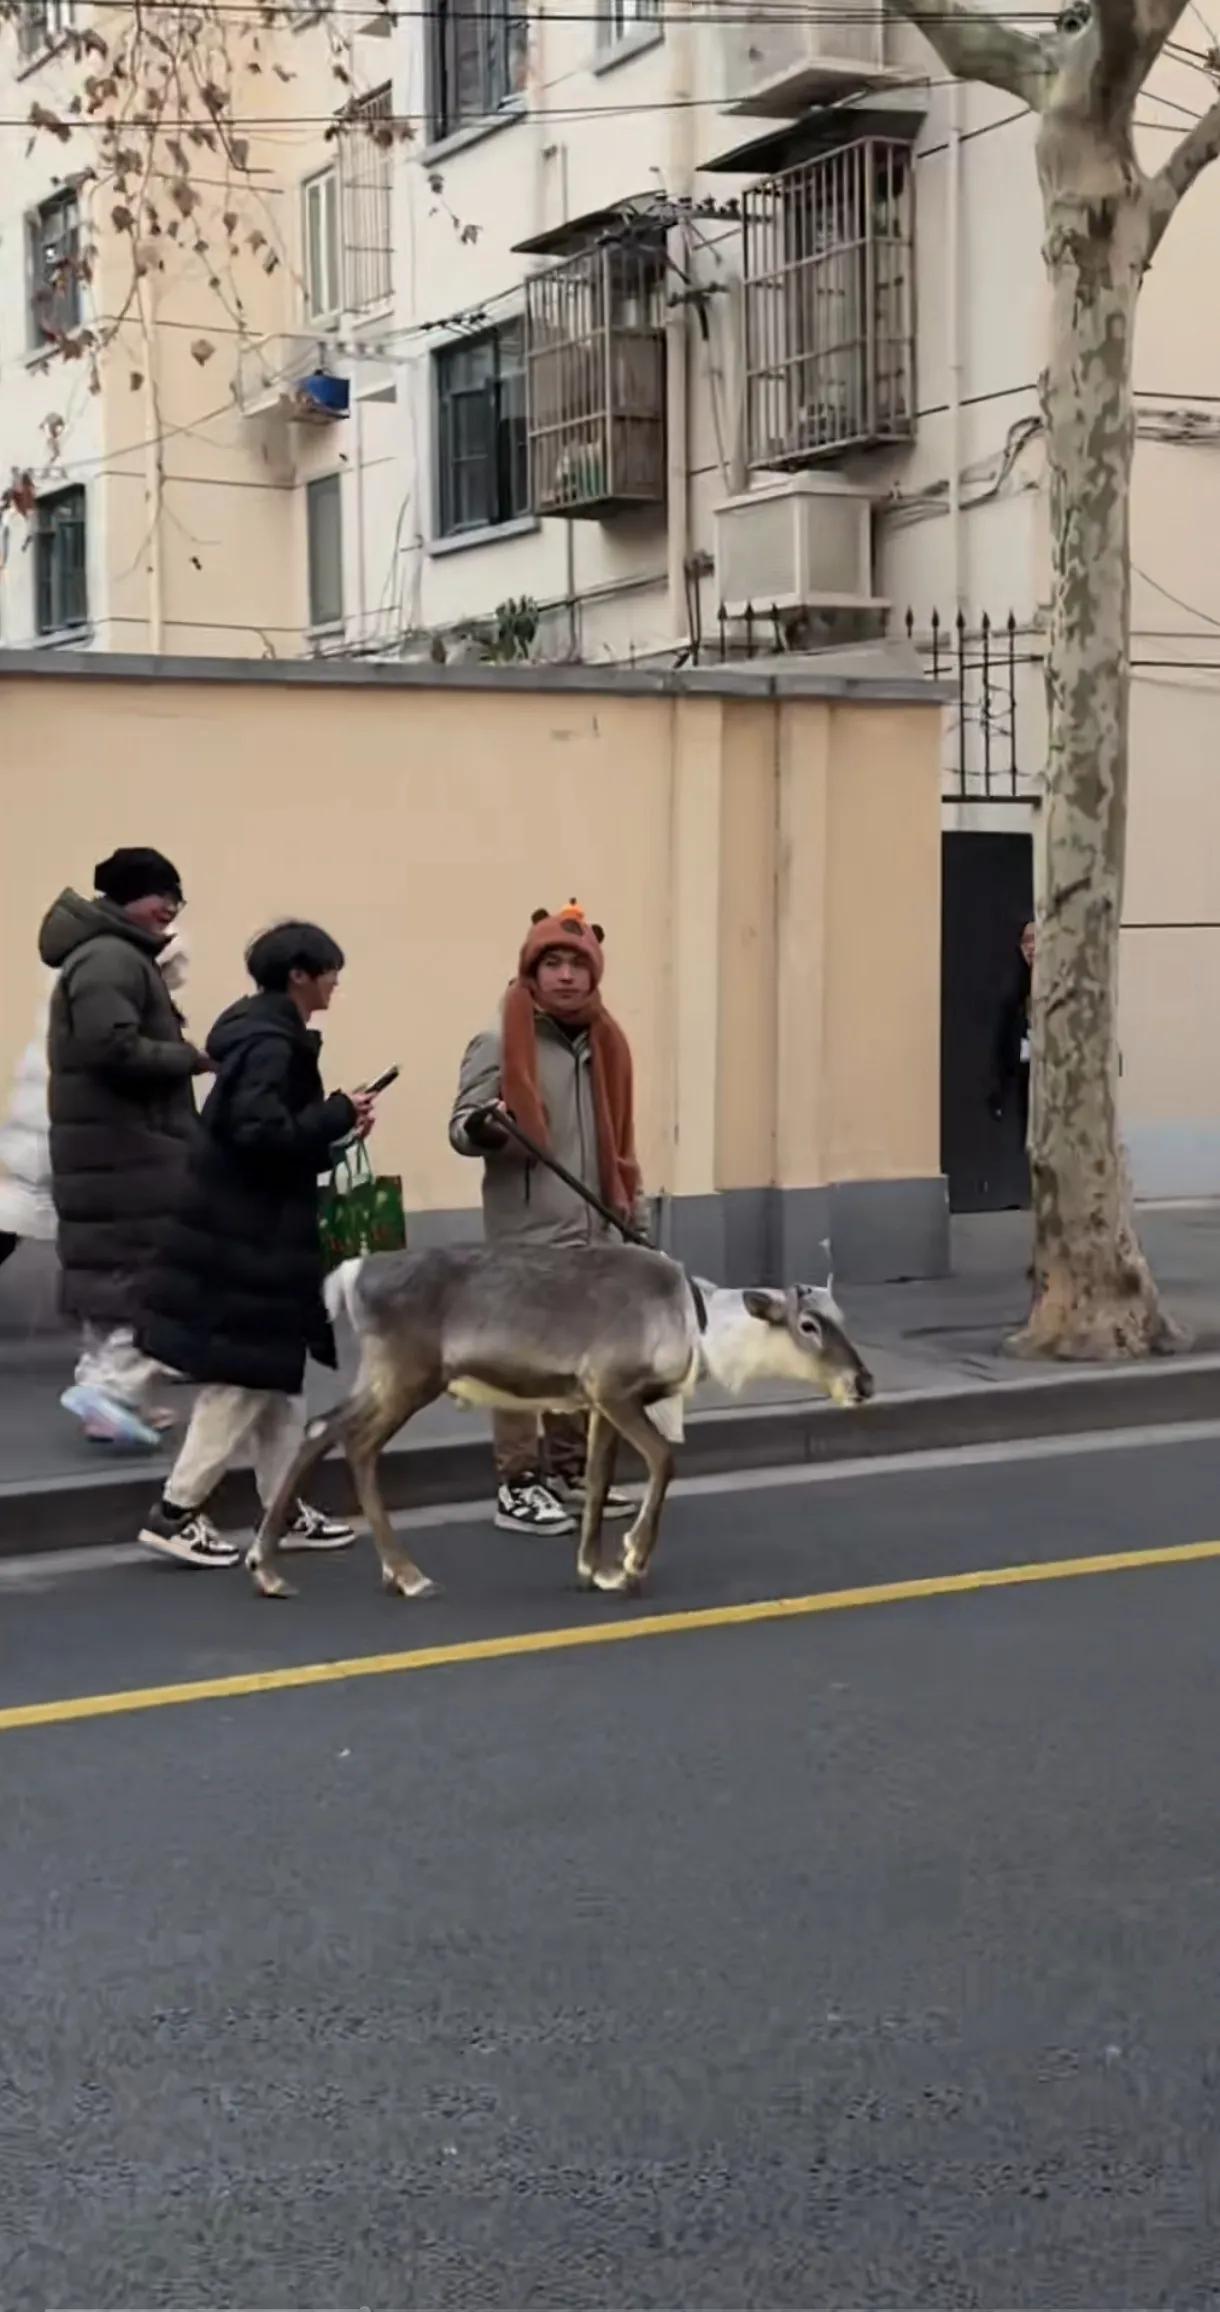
[26,1208]
[236,1295]
[122,1109]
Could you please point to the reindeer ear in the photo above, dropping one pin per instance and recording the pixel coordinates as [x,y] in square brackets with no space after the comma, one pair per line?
[540,915]
[598,934]
[768,1307]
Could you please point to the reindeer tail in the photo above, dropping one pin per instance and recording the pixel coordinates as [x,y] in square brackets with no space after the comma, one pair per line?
[339,1290]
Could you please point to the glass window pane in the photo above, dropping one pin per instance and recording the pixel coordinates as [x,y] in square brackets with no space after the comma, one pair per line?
[324,525]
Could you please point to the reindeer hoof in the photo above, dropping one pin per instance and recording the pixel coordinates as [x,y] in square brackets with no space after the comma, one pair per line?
[617,1582]
[409,1585]
[273,1585]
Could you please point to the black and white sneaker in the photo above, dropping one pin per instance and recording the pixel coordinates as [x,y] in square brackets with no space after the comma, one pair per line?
[312,1529]
[529,1506]
[191,1539]
[571,1491]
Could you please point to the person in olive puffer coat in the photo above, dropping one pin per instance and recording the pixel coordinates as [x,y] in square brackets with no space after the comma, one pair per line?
[122,1115]
[559,1063]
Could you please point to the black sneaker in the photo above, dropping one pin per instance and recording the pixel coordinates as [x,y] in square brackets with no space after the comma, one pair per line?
[190,1539]
[312,1529]
[572,1491]
[529,1506]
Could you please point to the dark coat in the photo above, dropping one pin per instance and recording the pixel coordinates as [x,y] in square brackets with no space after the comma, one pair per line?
[1009,1072]
[122,1110]
[237,1293]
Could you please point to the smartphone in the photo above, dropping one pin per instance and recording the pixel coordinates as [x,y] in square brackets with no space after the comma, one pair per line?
[382,1083]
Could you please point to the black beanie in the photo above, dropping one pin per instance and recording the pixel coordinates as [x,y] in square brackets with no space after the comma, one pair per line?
[136,873]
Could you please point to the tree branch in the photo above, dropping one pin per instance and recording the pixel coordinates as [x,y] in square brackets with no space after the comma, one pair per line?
[973,44]
[1199,147]
[1131,35]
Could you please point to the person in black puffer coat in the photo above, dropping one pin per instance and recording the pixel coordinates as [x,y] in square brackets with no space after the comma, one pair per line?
[122,1116]
[235,1298]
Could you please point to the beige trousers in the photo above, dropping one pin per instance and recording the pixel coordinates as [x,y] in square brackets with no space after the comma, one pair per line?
[261,1425]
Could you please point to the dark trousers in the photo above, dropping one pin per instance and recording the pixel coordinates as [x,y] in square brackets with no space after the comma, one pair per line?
[8,1244]
[525,1446]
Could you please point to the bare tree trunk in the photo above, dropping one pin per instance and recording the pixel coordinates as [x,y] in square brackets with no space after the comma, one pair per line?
[1095,1296]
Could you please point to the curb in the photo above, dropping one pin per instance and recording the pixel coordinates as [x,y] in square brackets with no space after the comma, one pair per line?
[98,1508]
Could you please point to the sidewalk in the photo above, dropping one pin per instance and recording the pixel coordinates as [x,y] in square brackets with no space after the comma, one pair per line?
[936,1348]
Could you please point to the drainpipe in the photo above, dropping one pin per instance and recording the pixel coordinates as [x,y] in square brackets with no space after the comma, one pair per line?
[953,347]
[154,469]
[680,42]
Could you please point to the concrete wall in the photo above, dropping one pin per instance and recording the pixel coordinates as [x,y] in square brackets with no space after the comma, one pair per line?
[765,860]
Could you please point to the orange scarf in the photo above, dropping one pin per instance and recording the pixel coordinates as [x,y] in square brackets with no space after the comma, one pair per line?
[613,1100]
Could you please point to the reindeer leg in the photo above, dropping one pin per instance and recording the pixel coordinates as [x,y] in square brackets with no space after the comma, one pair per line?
[320,1434]
[367,1432]
[599,1469]
[633,1423]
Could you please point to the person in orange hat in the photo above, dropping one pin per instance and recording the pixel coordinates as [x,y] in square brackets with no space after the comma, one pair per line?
[560,1064]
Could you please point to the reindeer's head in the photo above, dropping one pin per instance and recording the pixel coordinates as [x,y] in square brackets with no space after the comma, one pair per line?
[806,1341]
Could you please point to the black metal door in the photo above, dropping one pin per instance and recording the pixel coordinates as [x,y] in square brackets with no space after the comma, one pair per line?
[987,897]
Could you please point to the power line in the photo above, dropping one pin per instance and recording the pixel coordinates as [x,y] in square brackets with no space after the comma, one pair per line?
[415,10]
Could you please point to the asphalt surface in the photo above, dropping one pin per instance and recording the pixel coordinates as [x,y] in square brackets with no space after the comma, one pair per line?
[864,1960]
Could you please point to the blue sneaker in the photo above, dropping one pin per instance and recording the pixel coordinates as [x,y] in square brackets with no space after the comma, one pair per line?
[120,1423]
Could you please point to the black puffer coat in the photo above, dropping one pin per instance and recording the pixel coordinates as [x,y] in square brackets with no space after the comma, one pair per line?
[237,1293]
[122,1108]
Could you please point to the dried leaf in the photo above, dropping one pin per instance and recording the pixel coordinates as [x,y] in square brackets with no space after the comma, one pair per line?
[40,117]
[136,380]
[239,152]
[202,350]
[229,221]
[122,218]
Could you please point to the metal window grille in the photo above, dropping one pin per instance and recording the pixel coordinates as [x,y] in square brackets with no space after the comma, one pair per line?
[41,23]
[596,372]
[479,55]
[324,541]
[482,451]
[320,234]
[366,164]
[829,305]
[54,268]
[61,595]
[618,19]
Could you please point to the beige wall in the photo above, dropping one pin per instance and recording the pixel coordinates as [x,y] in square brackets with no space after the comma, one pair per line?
[768,876]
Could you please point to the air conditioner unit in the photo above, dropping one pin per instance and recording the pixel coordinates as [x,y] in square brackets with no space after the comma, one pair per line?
[801,542]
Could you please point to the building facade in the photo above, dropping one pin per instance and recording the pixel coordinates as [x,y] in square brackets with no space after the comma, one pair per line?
[648,332]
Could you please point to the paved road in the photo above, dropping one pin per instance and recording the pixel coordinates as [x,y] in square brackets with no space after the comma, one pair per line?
[858,1959]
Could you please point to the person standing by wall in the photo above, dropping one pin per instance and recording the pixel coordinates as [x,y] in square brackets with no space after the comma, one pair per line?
[122,1113]
[1011,1057]
[234,1300]
[558,1062]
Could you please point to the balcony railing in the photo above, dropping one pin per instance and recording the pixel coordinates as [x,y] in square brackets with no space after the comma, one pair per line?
[595,357]
[829,305]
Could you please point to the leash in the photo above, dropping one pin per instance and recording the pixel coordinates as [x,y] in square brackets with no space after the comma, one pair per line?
[503,1121]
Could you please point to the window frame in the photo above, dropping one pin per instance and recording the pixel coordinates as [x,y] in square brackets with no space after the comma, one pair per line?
[322,188]
[324,619]
[473,37]
[41,27]
[63,311]
[623,23]
[504,456]
[65,616]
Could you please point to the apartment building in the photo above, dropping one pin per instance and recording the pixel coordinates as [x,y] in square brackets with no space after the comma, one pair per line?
[636,331]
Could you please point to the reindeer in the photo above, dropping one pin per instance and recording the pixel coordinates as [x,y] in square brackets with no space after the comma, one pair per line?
[613,1330]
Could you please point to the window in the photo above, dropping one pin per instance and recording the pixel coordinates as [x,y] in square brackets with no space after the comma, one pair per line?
[478,56]
[366,157]
[321,239]
[54,269]
[324,527]
[60,580]
[41,24]
[482,456]
[829,305]
[617,20]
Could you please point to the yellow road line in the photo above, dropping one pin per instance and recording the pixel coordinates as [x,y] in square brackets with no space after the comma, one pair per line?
[886,1593]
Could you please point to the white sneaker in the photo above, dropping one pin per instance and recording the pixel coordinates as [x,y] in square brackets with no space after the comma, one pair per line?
[571,1491]
[312,1529]
[530,1507]
[191,1539]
